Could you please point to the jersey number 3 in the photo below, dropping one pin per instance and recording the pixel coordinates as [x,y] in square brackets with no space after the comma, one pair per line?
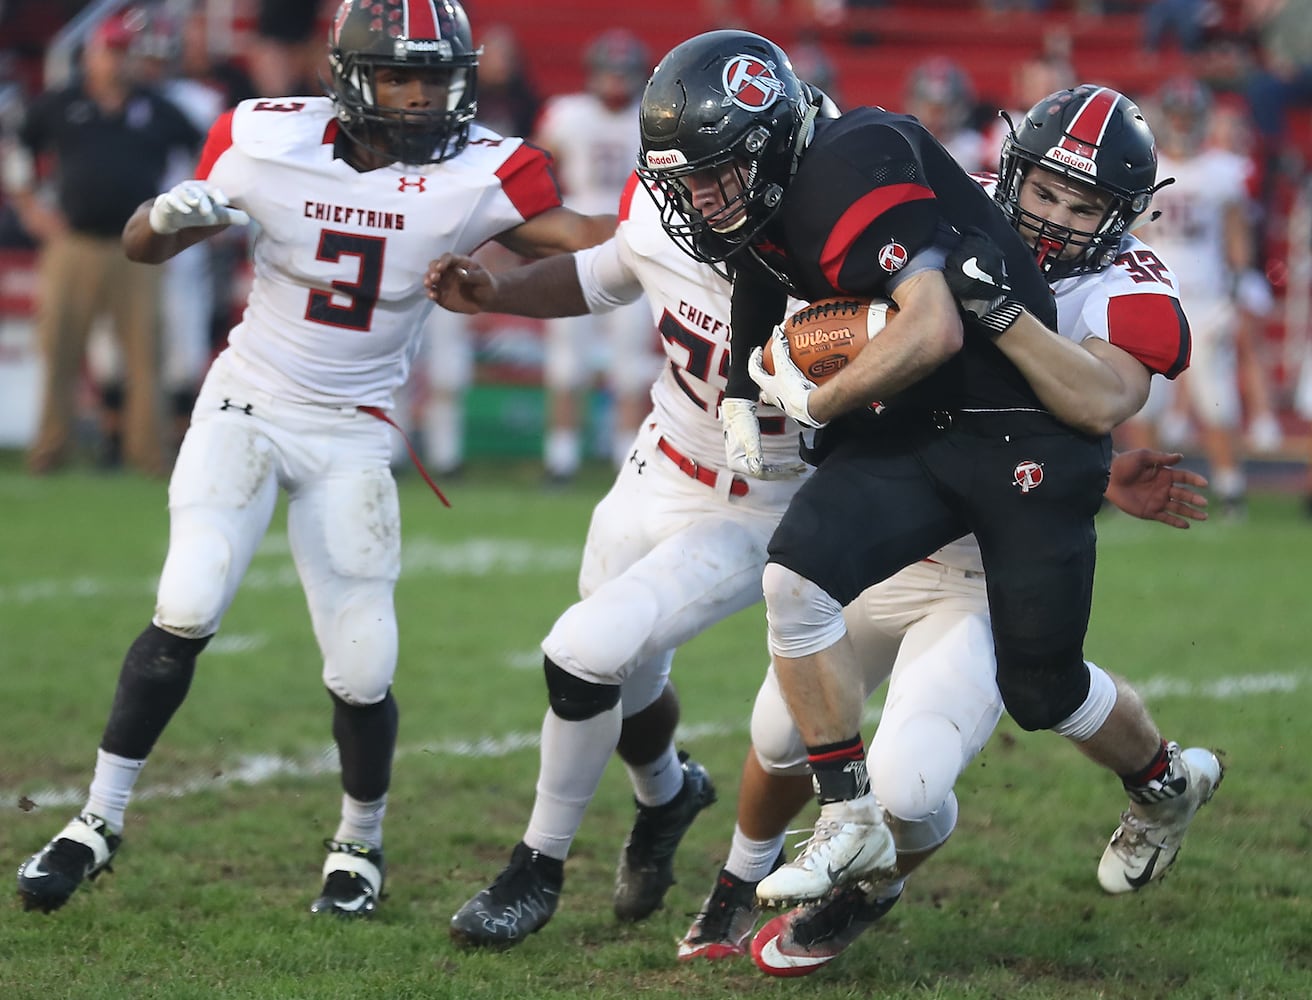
[358,314]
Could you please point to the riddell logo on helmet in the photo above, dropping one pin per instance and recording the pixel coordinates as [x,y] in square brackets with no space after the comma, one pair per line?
[820,338]
[1070,159]
[663,159]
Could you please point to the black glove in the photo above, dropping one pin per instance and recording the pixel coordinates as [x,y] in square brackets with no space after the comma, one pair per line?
[976,273]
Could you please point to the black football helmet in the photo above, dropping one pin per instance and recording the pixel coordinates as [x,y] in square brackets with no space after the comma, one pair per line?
[1093,135]
[723,97]
[406,34]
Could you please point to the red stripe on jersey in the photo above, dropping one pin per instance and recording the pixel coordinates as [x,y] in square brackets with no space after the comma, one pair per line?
[1090,122]
[626,197]
[421,20]
[528,181]
[857,219]
[216,144]
[1153,328]
[330,132]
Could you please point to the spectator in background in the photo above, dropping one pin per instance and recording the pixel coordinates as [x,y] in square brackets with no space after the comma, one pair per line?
[593,136]
[110,141]
[188,285]
[1303,406]
[941,95]
[1031,81]
[1283,75]
[286,53]
[1185,20]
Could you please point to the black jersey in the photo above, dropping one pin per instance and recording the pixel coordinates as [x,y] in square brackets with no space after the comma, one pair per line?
[873,189]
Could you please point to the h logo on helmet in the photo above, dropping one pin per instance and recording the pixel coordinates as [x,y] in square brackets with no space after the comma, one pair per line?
[750,83]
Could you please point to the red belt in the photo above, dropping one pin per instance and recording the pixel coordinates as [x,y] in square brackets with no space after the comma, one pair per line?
[700,473]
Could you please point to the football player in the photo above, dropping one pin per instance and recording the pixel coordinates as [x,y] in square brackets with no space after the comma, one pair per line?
[927,627]
[965,439]
[1204,230]
[593,136]
[676,495]
[354,193]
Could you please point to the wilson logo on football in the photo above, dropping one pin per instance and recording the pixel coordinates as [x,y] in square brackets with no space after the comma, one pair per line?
[1027,475]
[819,338]
[750,83]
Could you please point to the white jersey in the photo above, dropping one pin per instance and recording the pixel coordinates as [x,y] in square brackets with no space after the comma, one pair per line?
[1190,232]
[337,304]
[595,148]
[690,306]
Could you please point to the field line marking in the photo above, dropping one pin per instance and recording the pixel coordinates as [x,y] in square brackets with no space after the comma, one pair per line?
[259,768]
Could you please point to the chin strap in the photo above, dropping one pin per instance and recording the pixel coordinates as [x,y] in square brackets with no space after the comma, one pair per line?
[804,132]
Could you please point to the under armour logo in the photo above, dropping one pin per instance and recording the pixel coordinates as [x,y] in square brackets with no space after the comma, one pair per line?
[406,182]
[245,408]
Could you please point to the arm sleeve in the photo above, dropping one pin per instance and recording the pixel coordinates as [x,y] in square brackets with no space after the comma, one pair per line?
[607,276]
[757,305]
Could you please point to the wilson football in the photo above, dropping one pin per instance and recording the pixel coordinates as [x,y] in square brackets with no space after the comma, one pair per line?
[824,336]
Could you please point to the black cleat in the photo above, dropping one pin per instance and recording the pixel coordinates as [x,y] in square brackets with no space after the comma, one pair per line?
[353,876]
[646,868]
[519,902]
[82,850]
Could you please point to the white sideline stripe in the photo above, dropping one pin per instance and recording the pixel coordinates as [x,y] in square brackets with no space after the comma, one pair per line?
[260,768]
[423,557]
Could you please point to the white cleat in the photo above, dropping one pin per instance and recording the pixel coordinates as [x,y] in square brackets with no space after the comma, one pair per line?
[851,843]
[1149,837]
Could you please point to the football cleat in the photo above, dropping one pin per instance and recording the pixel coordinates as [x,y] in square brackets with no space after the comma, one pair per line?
[1146,843]
[802,940]
[519,902]
[353,877]
[726,920]
[82,850]
[646,867]
[851,843]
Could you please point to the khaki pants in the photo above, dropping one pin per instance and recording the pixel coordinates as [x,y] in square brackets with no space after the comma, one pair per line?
[81,277]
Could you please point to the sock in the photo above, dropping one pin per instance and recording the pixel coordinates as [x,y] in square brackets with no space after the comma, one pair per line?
[573,758]
[366,742]
[751,860]
[1229,483]
[839,770]
[1156,781]
[444,431]
[658,782]
[563,452]
[111,787]
[362,822]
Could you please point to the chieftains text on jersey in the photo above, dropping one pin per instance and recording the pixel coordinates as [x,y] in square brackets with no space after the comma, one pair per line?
[348,216]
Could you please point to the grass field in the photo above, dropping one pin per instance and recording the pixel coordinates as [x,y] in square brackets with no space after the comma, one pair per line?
[222,848]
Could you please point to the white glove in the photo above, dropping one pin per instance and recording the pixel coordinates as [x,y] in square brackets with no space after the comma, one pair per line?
[742,443]
[1253,294]
[787,388]
[192,204]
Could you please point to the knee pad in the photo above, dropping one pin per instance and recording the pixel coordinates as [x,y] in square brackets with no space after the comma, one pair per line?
[1040,688]
[193,585]
[917,836]
[602,636]
[574,699]
[913,769]
[360,648]
[1098,704]
[775,740]
[802,618]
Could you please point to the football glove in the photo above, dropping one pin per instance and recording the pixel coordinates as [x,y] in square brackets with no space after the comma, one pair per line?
[976,273]
[742,443]
[787,388]
[192,204]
